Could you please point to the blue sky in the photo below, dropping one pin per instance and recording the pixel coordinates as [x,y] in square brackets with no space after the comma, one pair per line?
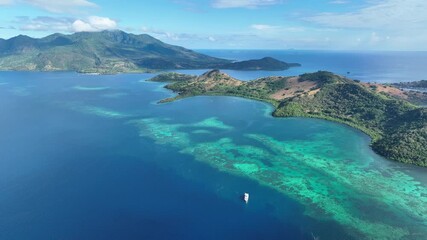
[238,24]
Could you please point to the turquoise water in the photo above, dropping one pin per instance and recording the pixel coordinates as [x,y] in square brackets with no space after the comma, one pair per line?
[94,157]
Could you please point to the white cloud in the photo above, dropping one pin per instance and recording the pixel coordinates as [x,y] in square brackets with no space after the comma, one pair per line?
[177,37]
[81,26]
[263,27]
[63,24]
[192,40]
[380,24]
[384,14]
[93,24]
[102,23]
[277,30]
[243,3]
[44,23]
[164,34]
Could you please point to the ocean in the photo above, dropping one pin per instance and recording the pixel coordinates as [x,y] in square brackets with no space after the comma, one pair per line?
[95,157]
[373,66]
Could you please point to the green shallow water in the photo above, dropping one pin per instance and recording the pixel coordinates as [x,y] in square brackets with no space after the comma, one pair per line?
[332,182]
[84,88]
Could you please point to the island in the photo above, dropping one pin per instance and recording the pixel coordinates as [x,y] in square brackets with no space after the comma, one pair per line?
[267,63]
[421,85]
[389,115]
[110,52]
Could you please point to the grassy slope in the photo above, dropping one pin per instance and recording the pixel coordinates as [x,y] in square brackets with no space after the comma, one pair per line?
[398,128]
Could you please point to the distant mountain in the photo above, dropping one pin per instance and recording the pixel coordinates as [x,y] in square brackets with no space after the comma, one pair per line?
[267,63]
[105,52]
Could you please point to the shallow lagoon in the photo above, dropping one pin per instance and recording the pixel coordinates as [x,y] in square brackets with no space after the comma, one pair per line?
[125,167]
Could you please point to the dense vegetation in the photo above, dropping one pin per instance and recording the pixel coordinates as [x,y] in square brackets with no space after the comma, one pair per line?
[398,128]
[172,77]
[406,138]
[110,52]
[321,78]
[107,51]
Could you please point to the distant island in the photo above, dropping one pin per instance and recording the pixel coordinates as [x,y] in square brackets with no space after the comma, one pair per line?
[420,86]
[397,126]
[110,52]
[267,63]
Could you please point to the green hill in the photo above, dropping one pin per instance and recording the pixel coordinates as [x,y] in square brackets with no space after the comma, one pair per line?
[107,51]
[397,127]
[110,52]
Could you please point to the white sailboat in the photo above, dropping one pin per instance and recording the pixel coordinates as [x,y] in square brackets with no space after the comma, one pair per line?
[246,197]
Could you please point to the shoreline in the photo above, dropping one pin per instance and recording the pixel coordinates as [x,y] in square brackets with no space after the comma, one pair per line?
[274,106]
[341,100]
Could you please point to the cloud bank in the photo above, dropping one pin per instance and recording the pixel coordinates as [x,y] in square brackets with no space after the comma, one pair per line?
[388,14]
[94,24]
[62,24]
[263,27]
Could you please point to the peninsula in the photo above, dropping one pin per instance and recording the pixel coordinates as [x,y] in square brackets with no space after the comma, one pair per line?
[397,126]
[111,52]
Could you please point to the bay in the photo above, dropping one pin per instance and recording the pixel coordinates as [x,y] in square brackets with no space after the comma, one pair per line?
[95,157]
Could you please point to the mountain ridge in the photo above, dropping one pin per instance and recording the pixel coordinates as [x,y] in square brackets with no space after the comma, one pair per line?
[111,52]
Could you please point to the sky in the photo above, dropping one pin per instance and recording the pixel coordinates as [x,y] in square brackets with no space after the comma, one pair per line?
[232,24]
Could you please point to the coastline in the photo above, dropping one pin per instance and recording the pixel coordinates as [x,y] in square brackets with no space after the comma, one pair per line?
[382,134]
[274,107]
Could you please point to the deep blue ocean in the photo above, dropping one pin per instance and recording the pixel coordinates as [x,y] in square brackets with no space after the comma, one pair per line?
[95,157]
